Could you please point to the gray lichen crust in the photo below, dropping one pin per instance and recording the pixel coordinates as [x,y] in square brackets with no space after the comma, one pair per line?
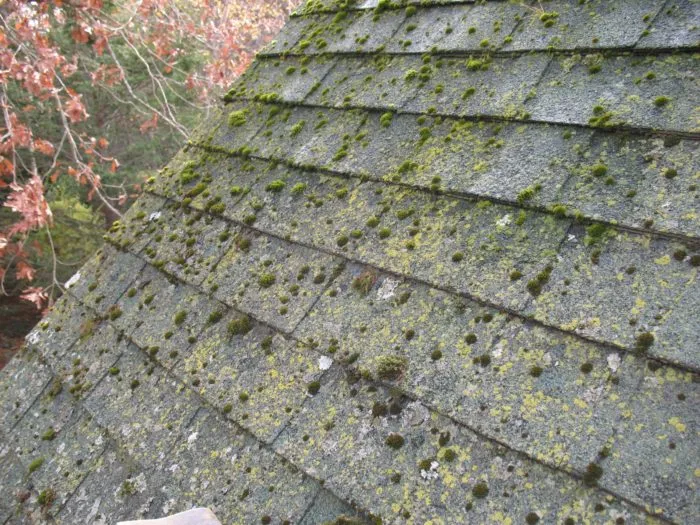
[431,262]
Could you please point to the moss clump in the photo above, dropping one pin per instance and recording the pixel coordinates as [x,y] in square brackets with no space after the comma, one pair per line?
[450,455]
[299,188]
[670,173]
[598,170]
[243,397]
[470,338]
[661,101]
[532,518]
[275,186]
[180,317]
[266,280]
[131,292]
[457,257]
[394,441]
[586,368]
[342,240]
[227,408]
[515,275]
[644,341]
[113,371]
[695,260]
[679,255]
[313,387]
[385,119]
[436,355]
[480,490]
[373,222]
[46,497]
[237,118]
[49,435]
[36,464]
[384,233]
[391,367]
[536,371]
[534,286]
[114,313]
[593,474]
[364,282]
[240,326]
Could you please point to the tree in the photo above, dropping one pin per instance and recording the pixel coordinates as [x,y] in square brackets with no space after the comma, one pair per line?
[76,77]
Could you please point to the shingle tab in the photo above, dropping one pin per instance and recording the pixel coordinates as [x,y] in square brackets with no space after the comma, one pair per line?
[677,24]
[560,24]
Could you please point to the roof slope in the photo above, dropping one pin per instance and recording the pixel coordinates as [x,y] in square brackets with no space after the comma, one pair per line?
[435,263]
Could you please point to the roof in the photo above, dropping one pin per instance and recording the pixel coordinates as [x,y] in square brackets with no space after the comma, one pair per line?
[434,263]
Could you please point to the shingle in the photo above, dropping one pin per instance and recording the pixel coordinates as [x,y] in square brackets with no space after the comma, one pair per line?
[83,365]
[328,508]
[375,82]
[337,436]
[163,316]
[583,25]
[258,378]
[11,478]
[62,327]
[288,79]
[58,444]
[518,383]
[676,25]
[362,31]
[21,381]
[103,280]
[215,465]
[639,182]
[615,286]
[242,121]
[189,244]
[659,92]
[500,86]
[272,280]
[426,28]
[117,488]
[657,434]
[290,34]
[132,231]
[144,408]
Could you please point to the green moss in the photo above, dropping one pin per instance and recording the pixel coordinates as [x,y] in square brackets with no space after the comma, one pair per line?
[695,260]
[536,371]
[480,490]
[385,119]
[215,317]
[36,464]
[237,118]
[436,355]
[586,368]
[180,317]
[266,280]
[457,257]
[227,408]
[114,313]
[313,387]
[598,170]
[384,233]
[394,440]
[372,222]
[275,186]
[661,101]
[364,282]
[644,341]
[240,326]
[532,518]
[243,397]
[515,275]
[391,367]
[342,240]
[49,435]
[113,371]
[470,338]
[670,173]
[593,473]
[46,497]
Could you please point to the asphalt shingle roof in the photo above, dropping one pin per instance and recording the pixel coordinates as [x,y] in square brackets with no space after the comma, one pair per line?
[433,262]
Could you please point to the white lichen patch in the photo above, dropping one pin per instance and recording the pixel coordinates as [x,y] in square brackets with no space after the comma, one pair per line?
[324,362]
[387,289]
[614,361]
[74,279]
[504,221]
[154,216]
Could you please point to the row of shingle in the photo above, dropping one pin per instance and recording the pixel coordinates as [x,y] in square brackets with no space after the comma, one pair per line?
[654,92]
[170,453]
[218,366]
[649,281]
[508,26]
[637,182]
[526,400]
